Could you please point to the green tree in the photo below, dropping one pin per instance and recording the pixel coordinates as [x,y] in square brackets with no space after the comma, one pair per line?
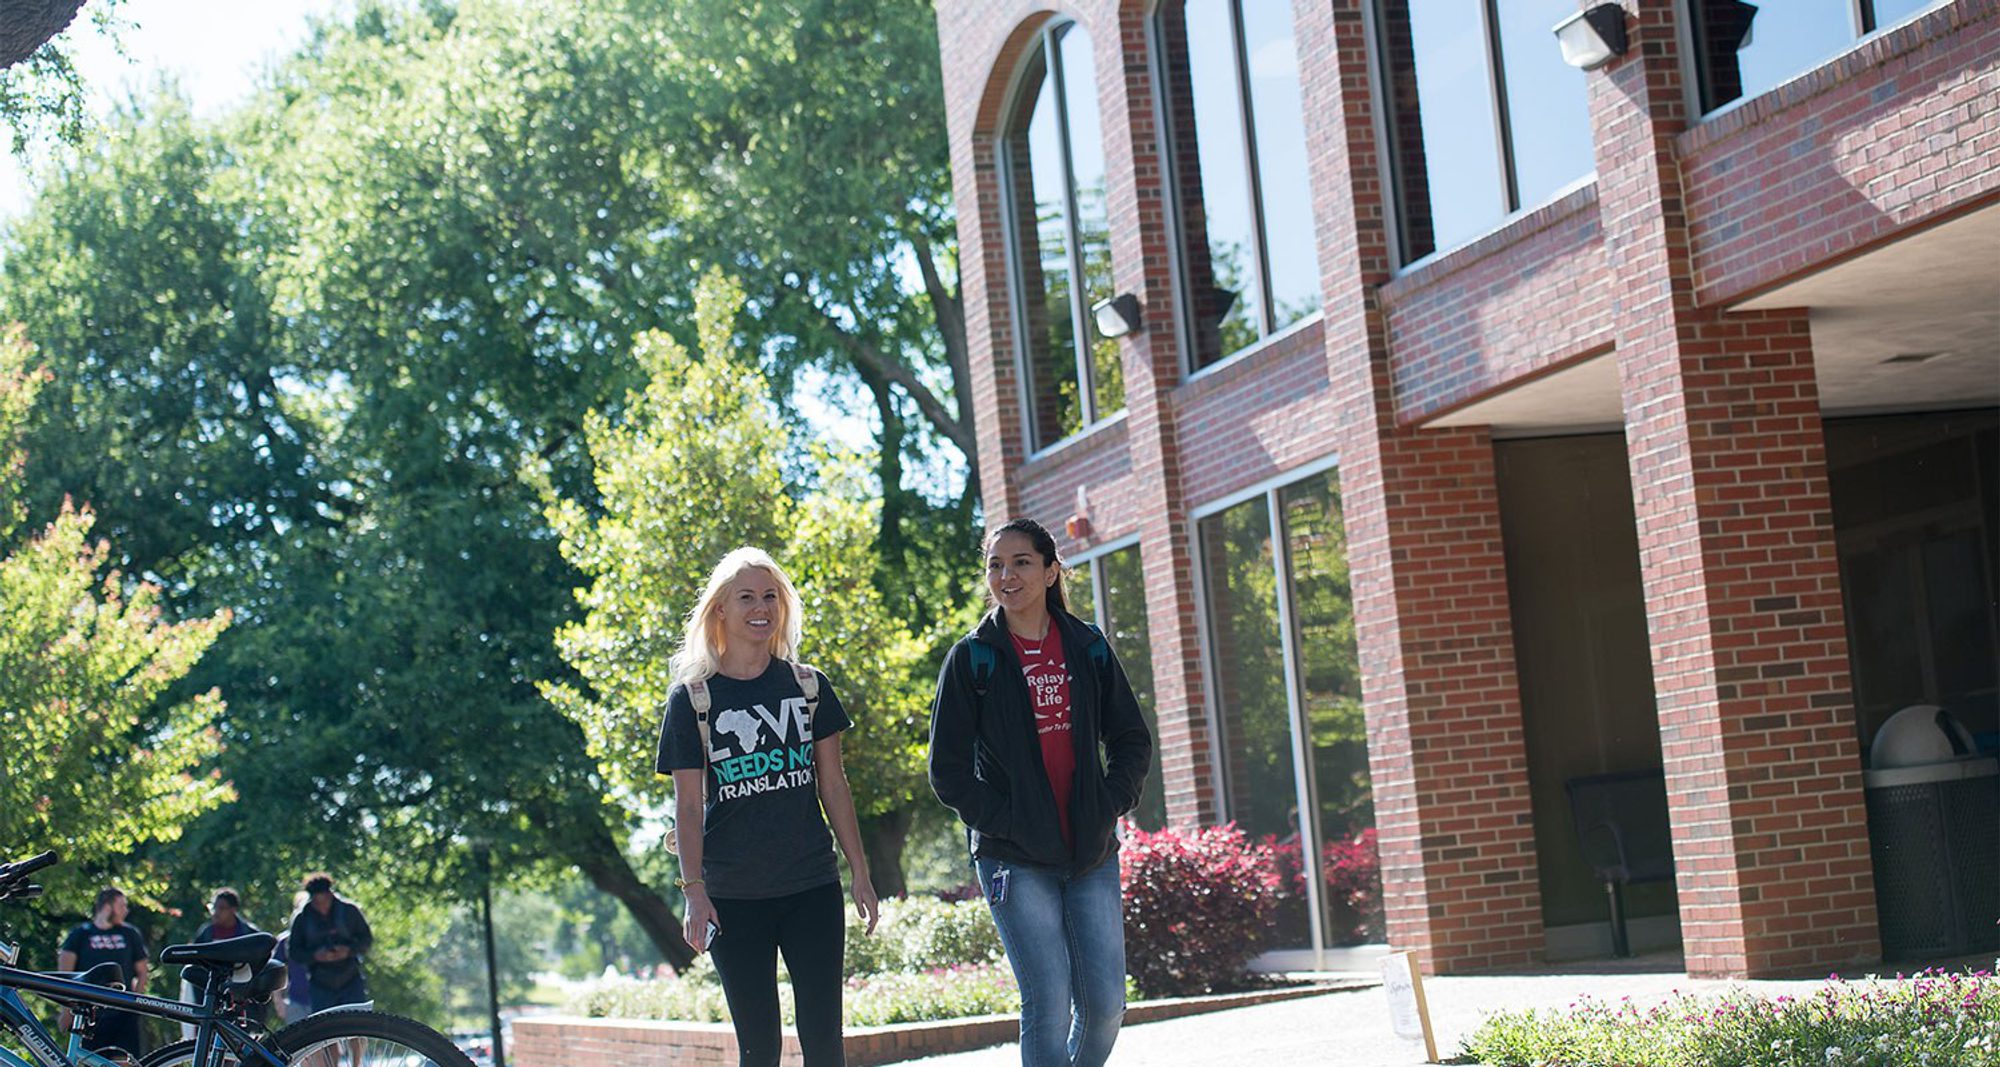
[690,470]
[101,758]
[305,350]
[40,89]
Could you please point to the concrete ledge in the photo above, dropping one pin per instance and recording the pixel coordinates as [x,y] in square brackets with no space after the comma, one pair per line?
[565,1040]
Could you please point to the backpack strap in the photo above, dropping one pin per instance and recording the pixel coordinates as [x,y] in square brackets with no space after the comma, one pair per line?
[698,693]
[1100,649]
[984,661]
[808,680]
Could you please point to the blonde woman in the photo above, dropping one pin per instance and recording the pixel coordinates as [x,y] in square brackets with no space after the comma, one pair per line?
[752,740]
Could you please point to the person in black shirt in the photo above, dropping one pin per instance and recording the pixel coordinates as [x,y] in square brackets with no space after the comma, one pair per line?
[752,741]
[331,936]
[107,938]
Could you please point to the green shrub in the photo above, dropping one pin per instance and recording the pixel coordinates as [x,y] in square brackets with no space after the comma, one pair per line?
[870,1000]
[1934,1019]
[943,993]
[923,933]
[693,996]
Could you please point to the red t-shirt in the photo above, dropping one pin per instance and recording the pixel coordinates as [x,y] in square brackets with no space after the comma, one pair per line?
[1048,687]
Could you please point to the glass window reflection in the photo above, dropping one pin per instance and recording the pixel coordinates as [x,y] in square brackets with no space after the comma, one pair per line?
[1124,621]
[1236,146]
[1053,158]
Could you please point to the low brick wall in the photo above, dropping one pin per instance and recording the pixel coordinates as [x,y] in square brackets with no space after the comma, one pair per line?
[567,1040]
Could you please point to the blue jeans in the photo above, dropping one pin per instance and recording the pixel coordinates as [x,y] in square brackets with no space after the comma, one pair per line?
[1065,938]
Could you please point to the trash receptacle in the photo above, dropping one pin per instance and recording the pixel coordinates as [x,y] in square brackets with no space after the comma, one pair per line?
[1934,831]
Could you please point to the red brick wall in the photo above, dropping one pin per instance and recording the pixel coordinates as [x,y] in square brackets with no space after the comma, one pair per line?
[1728,470]
[1516,302]
[1251,419]
[1737,559]
[1902,131]
[1430,594]
[1101,462]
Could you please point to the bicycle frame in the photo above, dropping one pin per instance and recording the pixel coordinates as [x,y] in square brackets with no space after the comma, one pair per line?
[213,1029]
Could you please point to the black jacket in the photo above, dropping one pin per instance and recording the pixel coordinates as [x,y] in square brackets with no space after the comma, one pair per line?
[986,762]
[343,925]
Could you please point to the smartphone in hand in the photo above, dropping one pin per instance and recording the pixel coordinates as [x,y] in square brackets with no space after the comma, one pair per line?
[708,936]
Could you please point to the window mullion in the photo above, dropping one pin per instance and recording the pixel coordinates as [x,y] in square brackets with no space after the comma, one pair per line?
[1260,263]
[1079,313]
[1304,783]
[1503,131]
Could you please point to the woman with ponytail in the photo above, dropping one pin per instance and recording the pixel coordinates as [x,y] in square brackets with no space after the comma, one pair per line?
[1038,744]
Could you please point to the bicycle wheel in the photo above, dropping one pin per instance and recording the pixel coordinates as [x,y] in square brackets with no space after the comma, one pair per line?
[181,1054]
[348,1038]
[341,1038]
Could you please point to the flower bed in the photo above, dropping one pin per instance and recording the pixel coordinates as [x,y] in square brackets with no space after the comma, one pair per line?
[1933,1019]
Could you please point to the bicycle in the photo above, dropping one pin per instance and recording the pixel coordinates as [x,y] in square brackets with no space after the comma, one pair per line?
[228,976]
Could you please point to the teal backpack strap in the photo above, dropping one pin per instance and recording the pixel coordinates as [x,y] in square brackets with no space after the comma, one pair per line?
[984,661]
[1100,649]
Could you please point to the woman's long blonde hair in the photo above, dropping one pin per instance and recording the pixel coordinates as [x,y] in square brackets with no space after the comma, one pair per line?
[701,643]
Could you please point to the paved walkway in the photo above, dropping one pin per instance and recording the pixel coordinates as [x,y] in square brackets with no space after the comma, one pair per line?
[1352,1028]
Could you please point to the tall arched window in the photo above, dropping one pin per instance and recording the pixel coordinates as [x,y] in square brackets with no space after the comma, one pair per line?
[1053,159]
[1229,74]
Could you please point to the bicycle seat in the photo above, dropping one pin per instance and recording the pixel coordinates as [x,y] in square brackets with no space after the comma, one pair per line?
[104,974]
[250,950]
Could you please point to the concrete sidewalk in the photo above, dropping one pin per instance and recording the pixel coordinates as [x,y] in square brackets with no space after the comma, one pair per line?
[1351,1028]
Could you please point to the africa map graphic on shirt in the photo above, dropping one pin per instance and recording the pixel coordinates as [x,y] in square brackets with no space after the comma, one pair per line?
[757,750]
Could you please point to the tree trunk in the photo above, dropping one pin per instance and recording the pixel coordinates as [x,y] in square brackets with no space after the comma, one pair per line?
[28,24]
[882,839]
[603,862]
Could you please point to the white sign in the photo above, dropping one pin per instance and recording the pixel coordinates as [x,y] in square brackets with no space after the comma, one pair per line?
[1409,1013]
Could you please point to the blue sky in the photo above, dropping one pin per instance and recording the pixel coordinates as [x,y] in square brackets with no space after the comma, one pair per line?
[178,40]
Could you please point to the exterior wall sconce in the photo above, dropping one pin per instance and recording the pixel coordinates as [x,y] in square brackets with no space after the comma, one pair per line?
[1592,38]
[1117,316]
[1078,525]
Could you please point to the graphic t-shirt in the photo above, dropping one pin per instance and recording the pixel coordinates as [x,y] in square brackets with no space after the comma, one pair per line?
[1048,687]
[123,945]
[762,833]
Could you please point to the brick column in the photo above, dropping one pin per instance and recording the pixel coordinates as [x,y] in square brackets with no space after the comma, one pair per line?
[976,94]
[973,119]
[1140,254]
[1446,749]
[1742,586]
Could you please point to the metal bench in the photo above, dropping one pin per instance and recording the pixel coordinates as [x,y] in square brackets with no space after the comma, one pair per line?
[1621,825]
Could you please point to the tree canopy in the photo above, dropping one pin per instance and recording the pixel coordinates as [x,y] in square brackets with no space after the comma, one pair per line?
[102,758]
[305,351]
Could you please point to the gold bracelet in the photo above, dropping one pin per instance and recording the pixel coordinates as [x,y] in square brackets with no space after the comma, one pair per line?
[681,883]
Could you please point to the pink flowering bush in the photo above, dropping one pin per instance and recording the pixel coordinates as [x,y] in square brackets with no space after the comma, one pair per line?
[1197,906]
[1354,884]
[1931,1019]
[1353,869]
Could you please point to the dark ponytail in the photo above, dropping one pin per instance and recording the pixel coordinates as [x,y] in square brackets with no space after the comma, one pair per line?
[1045,546]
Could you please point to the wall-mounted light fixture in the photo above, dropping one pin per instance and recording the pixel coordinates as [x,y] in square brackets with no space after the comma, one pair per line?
[1117,316]
[1078,525]
[1592,38]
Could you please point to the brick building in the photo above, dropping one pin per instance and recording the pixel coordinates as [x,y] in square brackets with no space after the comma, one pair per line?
[1490,424]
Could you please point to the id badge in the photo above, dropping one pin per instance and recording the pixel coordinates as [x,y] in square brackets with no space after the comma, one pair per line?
[997,887]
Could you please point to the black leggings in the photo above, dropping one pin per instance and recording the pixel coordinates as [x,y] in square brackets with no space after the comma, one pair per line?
[809,928]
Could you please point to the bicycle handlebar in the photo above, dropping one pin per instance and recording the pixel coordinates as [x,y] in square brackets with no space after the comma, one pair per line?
[31,864]
[14,875]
